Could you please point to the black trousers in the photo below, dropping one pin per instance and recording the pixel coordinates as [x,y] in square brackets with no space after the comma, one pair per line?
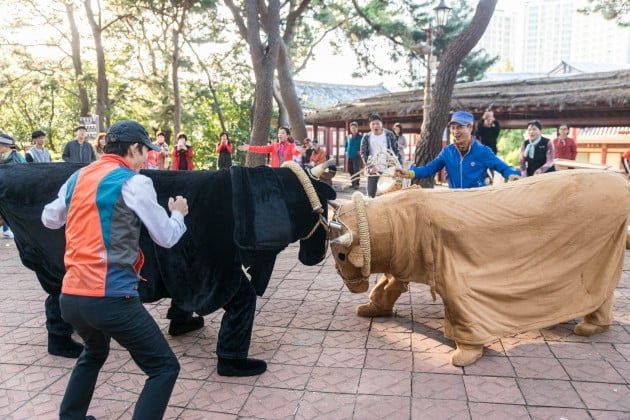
[354,166]
[99,319]
[372,185]
[235,334]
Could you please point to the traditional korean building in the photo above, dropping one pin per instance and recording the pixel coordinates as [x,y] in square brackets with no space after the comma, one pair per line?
[585,101]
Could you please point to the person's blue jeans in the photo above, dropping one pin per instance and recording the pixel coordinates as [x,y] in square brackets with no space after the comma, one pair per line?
[99,319]
[6,227]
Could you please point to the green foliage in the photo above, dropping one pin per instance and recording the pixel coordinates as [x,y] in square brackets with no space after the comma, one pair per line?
[509,145]
[202,125]
[39,91]
[616,10]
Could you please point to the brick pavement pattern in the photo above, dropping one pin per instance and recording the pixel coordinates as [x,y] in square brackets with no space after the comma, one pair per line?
[326,363]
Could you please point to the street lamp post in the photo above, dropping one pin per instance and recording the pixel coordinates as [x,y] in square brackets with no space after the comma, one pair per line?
[441,16]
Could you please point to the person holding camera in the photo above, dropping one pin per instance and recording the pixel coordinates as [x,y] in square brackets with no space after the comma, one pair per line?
[182,154]
[224,149]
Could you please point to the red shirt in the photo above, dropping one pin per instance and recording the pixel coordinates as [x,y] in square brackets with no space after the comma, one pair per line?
[564,149]
[288,151]
[188,155]
[226,146]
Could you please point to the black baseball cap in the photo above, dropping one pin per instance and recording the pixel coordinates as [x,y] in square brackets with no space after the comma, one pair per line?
[128,131]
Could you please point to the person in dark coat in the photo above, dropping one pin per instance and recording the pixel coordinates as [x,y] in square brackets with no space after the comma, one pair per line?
[536,155]
[488,131]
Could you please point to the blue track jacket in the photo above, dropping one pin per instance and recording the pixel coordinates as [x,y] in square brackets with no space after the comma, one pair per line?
[468,171]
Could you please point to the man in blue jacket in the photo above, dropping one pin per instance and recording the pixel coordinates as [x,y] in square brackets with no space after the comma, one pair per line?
[466,160]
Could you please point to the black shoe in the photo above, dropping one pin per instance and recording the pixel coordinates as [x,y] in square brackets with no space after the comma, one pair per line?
[182,326]
[90,418]
[240,367]
[64,346]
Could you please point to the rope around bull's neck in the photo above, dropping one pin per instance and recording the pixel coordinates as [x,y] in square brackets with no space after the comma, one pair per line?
[364,233]
[309,189]
[316,205]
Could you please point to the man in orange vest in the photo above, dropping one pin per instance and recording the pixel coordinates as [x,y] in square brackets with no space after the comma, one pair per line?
[103,206]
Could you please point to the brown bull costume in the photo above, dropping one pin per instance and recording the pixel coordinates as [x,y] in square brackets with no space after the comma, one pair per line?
[486,252]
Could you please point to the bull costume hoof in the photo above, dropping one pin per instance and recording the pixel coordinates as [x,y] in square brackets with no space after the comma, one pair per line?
[383,297]
[586,329]
[64,346]
[182,321]
[179,327]
[370,310]
[240,367]
[466,354]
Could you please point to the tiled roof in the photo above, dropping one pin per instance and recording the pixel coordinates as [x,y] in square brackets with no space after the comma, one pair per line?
[315,96]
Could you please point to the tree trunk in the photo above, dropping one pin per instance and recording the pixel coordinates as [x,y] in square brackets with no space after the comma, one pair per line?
[76,61]
[102,85]
[264,60]
[435,120]
[215,98]
[289,95]
[177,100]
[283,115]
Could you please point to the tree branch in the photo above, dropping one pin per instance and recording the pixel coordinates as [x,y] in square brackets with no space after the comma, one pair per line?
[292,19]
[238,19]
[375,26]
[311,48]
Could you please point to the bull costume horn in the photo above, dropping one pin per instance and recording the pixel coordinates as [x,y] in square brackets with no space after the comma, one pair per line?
[321,168]
[334,204]
[343,240]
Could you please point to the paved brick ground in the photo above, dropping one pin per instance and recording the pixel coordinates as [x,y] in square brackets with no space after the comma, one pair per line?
[324,362]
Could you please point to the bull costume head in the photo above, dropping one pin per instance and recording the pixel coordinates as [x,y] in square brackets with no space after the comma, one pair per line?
[273,208]
[352,251]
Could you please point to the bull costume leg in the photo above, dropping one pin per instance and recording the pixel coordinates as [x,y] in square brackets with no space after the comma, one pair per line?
[383,297]
[236,332]
[182,321]
[60,342]
[596,322]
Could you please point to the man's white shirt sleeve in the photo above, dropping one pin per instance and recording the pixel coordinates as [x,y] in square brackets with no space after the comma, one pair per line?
[140,196]
[55,212]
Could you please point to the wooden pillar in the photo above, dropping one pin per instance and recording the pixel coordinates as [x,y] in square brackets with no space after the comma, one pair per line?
[337,147]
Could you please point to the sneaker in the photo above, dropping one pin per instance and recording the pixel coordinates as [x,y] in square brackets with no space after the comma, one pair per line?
[7,234]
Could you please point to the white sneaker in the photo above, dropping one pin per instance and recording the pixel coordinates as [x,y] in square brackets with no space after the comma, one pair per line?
[7,234]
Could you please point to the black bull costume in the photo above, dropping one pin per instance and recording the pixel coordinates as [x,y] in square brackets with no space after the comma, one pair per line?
[238,219]
[505,259]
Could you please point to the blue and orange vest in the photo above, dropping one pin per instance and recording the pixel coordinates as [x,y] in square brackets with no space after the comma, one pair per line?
[103,255]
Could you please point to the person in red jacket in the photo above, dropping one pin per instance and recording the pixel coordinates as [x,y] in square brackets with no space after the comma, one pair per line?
[564,147]
[281,151]
[182,154]
[224,149]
